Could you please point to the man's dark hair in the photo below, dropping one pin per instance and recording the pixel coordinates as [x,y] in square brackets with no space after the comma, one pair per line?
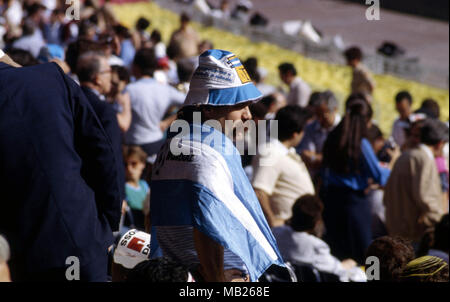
[306,214]
[145,60]
[156,36]
[88,67]
[353,53]
[158,270]
[291,119]
[122,31]
[122,72]
[142,23]
[394,253]
[185,18]
[268,100]
[430,108]
[402,95]
[258,110]
[22,57]
[251,66]
[433,131]
[287,67]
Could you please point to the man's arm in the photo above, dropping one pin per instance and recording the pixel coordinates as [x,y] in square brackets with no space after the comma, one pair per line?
[263,198]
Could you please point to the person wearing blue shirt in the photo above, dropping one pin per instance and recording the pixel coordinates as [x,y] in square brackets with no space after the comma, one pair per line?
[349,165]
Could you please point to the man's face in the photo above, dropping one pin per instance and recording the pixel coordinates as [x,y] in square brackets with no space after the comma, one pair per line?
[325,115]
[285,77]
[104,76]
[403,108]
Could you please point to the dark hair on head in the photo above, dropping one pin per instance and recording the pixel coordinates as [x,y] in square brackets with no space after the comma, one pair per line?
[84,26]
[142,23]
[430,108]
[268,100]
[291,119]
[28,28]
[315,99]
[122,31]
[251,66]
[156,36]
[22,57]
[158,270]
[433,131]
[307,215]
[394,253]
[145,60]
[374,133]
[134,150]
[122,72]
[88,66]
[403,95]
[353,53]
[185,17]
[258,110]
[342,148]
[287,67]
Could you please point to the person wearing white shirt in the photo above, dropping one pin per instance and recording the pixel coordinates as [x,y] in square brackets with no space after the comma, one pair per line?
[299,90]
[150,100]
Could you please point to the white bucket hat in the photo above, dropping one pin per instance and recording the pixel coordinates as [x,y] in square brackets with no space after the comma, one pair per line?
[220,79]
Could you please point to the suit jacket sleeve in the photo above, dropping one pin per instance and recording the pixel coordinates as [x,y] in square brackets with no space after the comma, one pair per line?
[99,168]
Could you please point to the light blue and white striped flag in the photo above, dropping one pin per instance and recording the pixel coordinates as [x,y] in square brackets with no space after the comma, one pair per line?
[208,189]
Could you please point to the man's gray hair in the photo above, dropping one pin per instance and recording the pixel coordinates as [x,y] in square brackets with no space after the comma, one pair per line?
[4,250]
[327,97]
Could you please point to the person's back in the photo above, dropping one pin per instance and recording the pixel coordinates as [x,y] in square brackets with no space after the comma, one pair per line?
[58,175]
[412,195]
[149,102]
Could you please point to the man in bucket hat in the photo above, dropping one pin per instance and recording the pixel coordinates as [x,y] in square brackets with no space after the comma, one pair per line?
[204,211]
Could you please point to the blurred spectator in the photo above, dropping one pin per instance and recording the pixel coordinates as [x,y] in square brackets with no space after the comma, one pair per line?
[393,254]
[185,40]
[242,10]
[119,98]
[299,90]
[362,81]
[141,38]
[413,195]
[251,65]
[137,191]
[94,74]
[53,30]
[127,50]
[349,161]
[31,39]
[158,44]
[185,70]
[4,258]
[426,269]
[280,177]
[403,103]
[327,117]
[149,102]
[273,103]
[300,242]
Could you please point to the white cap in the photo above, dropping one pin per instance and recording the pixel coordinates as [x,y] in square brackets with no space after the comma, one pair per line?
[133,248]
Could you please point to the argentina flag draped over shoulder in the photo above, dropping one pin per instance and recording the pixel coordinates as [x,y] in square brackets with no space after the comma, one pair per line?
[198,180]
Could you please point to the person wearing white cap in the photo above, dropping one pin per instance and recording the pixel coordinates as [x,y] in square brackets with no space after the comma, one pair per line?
[204,211]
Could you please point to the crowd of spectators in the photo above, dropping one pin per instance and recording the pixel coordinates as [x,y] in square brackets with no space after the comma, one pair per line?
[339,190]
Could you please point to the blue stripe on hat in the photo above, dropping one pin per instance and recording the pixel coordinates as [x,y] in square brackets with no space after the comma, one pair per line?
[233,95]
[216,53]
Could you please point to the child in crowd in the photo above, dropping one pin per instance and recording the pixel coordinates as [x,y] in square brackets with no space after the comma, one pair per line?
[137,190]
[299,241]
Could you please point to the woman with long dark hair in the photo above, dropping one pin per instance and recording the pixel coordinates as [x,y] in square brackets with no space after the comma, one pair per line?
[348,163]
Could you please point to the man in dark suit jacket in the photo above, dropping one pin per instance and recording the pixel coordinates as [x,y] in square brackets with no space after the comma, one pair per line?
[94,74]
[61,189]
